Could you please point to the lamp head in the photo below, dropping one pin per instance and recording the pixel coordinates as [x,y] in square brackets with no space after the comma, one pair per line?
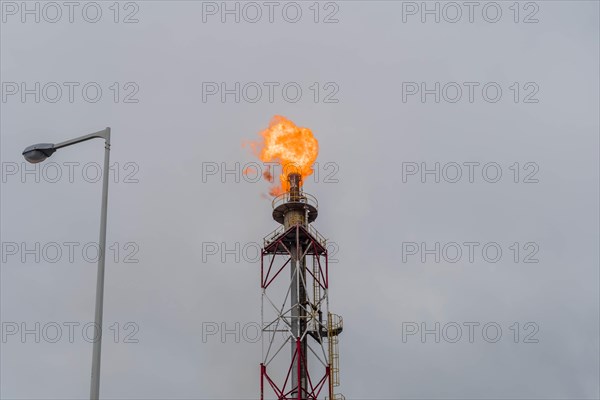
[38,152]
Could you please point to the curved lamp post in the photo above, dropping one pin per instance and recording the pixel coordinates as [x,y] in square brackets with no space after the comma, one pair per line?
[38,153]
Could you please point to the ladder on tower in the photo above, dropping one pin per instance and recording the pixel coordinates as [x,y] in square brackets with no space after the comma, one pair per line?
[335,325]
[316,283]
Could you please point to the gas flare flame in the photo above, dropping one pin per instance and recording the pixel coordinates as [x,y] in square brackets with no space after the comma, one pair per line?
[294,148]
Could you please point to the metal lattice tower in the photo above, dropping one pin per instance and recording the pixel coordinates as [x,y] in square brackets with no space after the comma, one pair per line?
[295,305]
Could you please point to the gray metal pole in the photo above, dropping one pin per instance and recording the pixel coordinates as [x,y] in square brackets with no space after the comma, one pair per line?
[95,386]
[295,320]
[298,318]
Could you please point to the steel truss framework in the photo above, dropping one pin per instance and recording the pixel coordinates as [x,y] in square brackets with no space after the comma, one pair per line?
[312,272]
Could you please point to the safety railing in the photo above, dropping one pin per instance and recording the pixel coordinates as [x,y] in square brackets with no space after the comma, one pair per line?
[315,233]
[302,198]
[273,235]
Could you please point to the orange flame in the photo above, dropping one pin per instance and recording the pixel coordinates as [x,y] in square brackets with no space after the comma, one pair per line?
[294,148]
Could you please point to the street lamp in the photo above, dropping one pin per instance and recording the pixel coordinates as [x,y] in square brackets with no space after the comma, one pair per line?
[38,153]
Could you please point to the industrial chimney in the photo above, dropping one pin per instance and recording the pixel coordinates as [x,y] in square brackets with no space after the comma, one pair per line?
[293,314]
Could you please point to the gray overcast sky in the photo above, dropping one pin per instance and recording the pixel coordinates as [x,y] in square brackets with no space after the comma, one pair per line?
[372,124]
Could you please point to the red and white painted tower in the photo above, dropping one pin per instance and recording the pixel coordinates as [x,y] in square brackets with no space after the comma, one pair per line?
[295,305]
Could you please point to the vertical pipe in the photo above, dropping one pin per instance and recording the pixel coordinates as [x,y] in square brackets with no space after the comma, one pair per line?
[298,314]
[296,217]
[295,181]
[302,302]
[294,313]
[95,385]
